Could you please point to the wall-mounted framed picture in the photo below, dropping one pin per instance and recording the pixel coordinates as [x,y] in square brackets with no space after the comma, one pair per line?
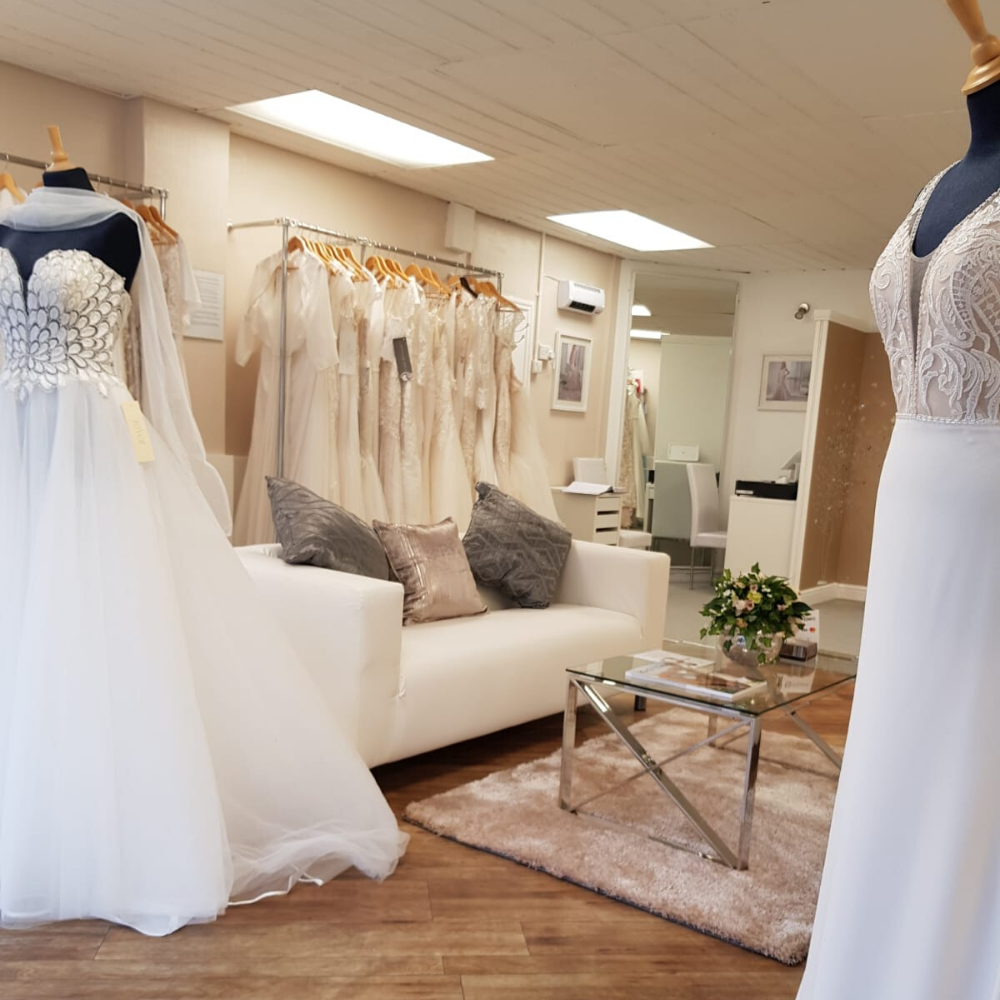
[784,382]
[571,379]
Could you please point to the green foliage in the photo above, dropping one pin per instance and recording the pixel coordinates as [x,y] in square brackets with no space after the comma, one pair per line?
[754,607]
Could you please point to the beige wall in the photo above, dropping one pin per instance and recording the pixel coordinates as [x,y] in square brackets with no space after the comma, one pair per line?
[759,442]
[189,156]
[92,124]
[566,435]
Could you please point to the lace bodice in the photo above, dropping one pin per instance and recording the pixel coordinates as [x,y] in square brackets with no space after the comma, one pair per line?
[61,324]
[944,353]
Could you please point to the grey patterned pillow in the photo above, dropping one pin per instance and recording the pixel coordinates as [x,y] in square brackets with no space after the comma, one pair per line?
[515,550]
[315,531]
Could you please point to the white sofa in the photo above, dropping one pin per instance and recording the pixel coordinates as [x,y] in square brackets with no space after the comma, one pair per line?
[401,691]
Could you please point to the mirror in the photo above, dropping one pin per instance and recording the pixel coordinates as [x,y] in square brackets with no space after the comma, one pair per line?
[679,360]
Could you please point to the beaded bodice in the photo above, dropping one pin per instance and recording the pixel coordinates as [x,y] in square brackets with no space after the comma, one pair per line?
[940,317]
[61,324]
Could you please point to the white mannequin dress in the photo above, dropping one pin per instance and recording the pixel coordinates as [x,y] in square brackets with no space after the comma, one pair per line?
[910,903]
[162,751]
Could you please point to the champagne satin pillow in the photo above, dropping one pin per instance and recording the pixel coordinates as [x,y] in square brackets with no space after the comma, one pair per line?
[431,564]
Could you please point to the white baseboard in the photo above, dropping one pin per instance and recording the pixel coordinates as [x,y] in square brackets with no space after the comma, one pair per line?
[834,592]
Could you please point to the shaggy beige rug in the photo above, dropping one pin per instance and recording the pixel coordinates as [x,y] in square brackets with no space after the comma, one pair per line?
[768,909]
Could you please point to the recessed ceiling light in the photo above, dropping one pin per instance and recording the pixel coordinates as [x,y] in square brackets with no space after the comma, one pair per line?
[638,310]
[340,123]
[648,334]
[629,230]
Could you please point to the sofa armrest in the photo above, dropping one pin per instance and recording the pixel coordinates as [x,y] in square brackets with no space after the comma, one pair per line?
[628,580]
[347,630]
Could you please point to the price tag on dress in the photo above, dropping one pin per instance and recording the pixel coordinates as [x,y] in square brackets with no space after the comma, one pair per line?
[138,431]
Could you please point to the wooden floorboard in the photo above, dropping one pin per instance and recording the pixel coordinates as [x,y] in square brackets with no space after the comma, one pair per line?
[452,924]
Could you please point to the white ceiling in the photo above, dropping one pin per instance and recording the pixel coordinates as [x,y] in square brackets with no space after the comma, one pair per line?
[792,134]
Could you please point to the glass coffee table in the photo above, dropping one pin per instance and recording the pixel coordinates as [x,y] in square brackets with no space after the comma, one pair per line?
[790,686]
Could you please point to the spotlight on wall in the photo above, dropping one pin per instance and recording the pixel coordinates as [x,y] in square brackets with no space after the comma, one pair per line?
[804,307]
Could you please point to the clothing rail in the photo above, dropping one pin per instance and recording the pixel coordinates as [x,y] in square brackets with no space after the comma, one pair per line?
[126,186]
[287,225]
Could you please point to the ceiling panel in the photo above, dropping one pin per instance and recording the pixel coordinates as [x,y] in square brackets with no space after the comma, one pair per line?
[793,134]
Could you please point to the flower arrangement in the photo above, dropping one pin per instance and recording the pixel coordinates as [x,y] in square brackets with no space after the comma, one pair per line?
[750,610]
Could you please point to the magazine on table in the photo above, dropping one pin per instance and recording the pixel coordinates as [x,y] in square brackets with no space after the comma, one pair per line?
[692,675]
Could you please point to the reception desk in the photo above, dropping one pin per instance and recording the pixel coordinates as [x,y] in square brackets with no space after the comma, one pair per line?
[760,531]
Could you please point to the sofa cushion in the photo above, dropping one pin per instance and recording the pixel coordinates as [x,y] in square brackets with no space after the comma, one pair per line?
[315,531]
[430,563]
[515,550]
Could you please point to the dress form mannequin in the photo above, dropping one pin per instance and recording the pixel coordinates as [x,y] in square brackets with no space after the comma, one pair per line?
[114,241]
[977,176]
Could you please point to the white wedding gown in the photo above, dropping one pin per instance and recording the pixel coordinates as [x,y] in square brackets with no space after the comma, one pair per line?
[312,388]
[910,903]
[162,751]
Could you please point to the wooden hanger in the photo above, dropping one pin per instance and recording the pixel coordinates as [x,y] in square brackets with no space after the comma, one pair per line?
[435,280]
[7,183]
[378,267]
[60,161]
[161,232]
[427,280]
[491,290]
[396,268]
[162,223]
[985,47]
[344,255]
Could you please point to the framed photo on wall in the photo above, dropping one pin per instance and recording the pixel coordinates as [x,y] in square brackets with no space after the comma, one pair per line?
[784,382]
[571,379]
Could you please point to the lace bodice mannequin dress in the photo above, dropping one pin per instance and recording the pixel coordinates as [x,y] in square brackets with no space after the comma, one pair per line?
[910,902]
[162,751]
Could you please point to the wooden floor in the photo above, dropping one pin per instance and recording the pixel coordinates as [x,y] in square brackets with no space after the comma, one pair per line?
[452,924]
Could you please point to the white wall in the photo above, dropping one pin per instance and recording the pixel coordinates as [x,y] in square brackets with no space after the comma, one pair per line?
[644,356]
[759,442]
[694,385]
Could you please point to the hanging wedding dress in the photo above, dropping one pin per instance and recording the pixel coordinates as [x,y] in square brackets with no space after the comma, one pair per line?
[529,474]
[410,430]
[910,902]
[181,290]
[467,377]
[310,440]
[398,315]
[486,391]
[162,751]
[503,372]
[343,307]
[450,489]
[371,331]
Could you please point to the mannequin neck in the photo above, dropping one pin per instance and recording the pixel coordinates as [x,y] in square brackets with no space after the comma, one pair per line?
[984,119]
[75,178]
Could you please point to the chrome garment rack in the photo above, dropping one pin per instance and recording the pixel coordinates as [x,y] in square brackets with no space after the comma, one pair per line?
[144,190]
[287,225]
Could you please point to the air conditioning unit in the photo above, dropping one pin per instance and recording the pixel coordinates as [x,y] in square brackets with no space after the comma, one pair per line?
[577,297]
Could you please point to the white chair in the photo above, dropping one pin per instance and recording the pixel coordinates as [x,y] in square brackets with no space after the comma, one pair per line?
[706,517]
